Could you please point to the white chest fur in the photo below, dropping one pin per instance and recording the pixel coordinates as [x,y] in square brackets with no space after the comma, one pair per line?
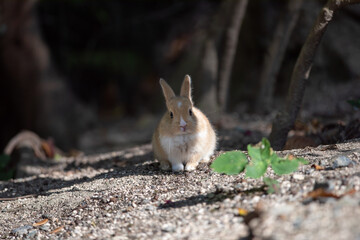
[182,145]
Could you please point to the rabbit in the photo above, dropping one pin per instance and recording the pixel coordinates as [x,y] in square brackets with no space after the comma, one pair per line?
[184,136]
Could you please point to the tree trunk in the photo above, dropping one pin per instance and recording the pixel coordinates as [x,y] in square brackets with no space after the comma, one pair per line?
[209,66]
[276,52]
[284,121]
[23,59]
[231,39]
[209,72]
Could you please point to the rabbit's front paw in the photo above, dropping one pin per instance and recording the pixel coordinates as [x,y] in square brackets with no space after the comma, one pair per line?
[177,167]
[205,159]
[190,167]
[165,166]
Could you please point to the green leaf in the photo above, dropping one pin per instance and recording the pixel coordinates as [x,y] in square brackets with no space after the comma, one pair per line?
[274,158]
[354,103]
[261,151]
[273,185]
[265,149]
[261,156]
[6,175]
[230,163]
[254,153]
[4,160]
[256,169]
[284,166]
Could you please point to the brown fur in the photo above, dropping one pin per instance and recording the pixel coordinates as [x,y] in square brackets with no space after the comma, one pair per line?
[186,138]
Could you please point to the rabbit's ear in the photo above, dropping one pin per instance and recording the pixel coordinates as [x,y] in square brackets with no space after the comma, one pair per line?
[186,88]
[168,92]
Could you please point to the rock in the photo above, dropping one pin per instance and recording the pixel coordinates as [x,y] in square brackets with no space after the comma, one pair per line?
[282,210]
[31,233]
[255,199]
[341,161]
[328,186]
[150,208]
[298,176]
[323,185]
[20,231]
[45,227]
[324,162]
[168,228]
[285,186]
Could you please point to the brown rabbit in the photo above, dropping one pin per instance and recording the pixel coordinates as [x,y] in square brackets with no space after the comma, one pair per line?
[184,136]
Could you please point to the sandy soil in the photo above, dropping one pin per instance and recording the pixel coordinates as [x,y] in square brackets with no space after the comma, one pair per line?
[124,195]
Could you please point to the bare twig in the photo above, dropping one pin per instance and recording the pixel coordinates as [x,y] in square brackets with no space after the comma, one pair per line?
[16,198]
[284,121]
[209,70]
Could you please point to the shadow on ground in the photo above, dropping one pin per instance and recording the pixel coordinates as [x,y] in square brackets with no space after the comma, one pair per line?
[134,161]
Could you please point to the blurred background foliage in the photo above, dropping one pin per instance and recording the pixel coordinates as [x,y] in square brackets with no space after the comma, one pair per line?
[98,62]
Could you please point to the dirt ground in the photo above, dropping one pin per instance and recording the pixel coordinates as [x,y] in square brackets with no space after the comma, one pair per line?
[124,195]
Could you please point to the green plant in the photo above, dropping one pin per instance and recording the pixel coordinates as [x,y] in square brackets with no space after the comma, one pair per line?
[272,184]
[6,173]
[261,156]
[355,103]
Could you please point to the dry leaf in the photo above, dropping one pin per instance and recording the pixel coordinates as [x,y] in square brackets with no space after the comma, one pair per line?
[350,192]
[317,167]
[56,230]
[320,192]
[48,149]
[76,153]
[42,222]
[242,211]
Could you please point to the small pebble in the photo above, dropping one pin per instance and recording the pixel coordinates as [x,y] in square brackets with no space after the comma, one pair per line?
[341,161]
[32,233]
[21,230]
[168,228]
[150,208]
[323,185]
[45,227]
[298,176]
[328,186]
[256,199]
[285,186]
[324,162]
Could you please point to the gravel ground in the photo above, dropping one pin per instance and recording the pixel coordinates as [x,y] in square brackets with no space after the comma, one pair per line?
[124,195]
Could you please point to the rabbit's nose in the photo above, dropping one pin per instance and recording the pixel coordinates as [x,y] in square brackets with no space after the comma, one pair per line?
[182,122]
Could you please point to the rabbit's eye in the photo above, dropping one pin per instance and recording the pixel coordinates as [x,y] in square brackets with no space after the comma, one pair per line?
[171,115]
[190,112]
